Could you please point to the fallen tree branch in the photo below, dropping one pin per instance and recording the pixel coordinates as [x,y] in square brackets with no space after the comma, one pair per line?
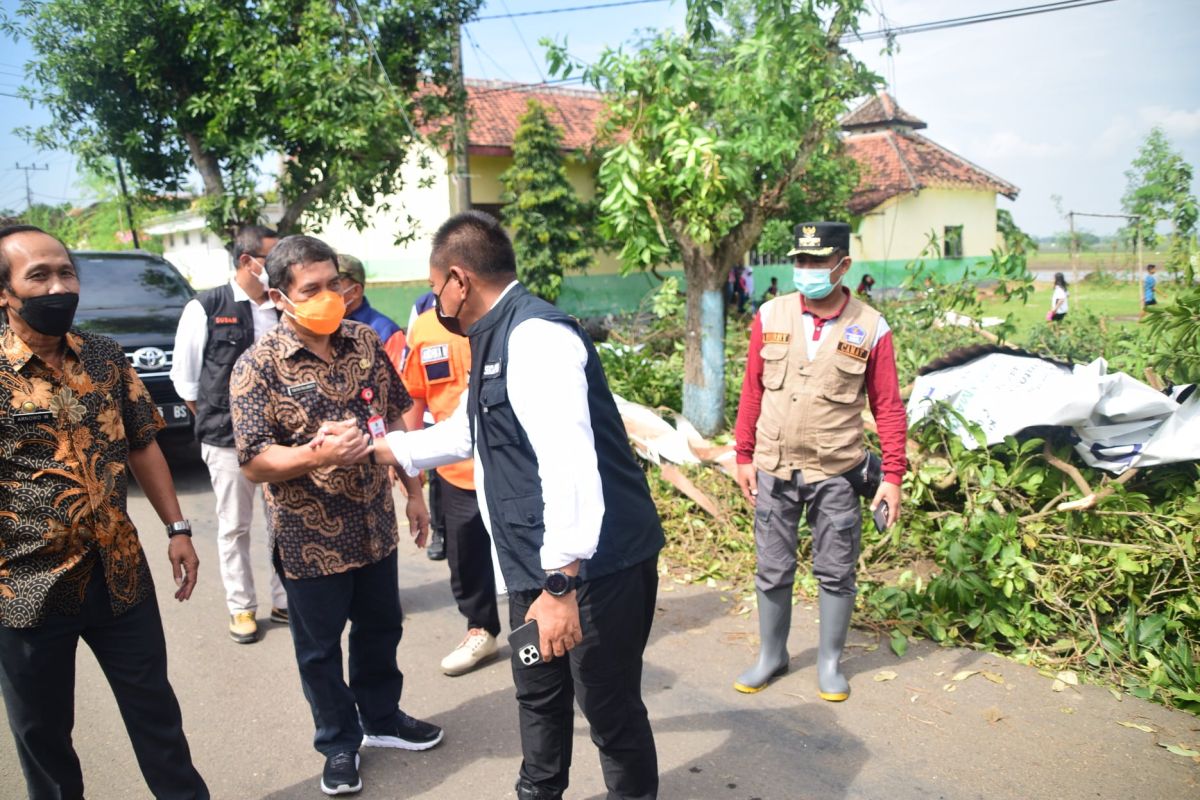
[1070,470]
[1098,542]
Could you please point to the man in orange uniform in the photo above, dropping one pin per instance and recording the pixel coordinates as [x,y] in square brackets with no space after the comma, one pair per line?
[435,374]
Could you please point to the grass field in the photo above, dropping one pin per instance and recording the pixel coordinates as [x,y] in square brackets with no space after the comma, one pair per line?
[1104,260]
[1116,302]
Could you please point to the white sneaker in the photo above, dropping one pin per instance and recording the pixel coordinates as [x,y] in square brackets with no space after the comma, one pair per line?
[477,647]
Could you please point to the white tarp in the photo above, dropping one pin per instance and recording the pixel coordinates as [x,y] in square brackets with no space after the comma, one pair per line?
[1119,422]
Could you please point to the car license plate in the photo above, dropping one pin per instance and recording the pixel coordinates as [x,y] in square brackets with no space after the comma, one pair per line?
[175,413]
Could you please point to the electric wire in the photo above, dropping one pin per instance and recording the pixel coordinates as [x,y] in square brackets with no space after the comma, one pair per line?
[480,53]
[383,71]
[565,10]
[521,39]
[529,87]
[959,22]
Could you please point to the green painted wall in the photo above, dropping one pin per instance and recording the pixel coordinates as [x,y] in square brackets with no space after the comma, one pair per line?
[582,295]
[598,295]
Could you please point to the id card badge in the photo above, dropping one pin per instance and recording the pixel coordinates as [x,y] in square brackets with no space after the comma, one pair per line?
[376,427]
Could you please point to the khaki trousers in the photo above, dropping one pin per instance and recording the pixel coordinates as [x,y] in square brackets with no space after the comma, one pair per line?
[235,512]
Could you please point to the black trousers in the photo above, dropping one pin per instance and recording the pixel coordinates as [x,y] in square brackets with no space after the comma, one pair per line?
[37,675]
[369,598]
[437,515]
[469,551]
[604,673]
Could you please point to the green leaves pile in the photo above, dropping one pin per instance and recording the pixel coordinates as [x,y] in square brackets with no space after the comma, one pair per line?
[1110,590]
[982,556]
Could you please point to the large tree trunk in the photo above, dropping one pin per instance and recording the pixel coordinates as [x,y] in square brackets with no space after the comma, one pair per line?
[289,222]
[707,269]
[704,349]
[207,165]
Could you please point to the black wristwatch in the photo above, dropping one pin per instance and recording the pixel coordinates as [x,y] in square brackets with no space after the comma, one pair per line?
[560,584]
[182,527]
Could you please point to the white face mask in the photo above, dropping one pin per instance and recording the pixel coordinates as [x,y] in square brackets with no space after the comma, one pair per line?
[262,276]
[813,283]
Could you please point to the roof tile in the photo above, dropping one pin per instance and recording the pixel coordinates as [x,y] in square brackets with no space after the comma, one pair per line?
[880,110]
[494,108]
[892,162]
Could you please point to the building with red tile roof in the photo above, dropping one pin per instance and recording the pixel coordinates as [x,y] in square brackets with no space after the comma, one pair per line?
[892,158]
[493,108]
[913,193]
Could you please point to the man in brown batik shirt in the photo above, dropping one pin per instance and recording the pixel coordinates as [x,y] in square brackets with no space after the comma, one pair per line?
[73,415]
[332,520]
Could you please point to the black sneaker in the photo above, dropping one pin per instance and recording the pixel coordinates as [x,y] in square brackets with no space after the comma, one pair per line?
[405,733]
[341,774]
[435,549]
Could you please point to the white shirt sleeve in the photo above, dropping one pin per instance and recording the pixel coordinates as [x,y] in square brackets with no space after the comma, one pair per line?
[447,442]
[548,391]
[190,338]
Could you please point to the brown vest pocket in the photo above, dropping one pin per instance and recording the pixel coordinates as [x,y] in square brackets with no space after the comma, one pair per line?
[845,383]
[767,445]
[774,365]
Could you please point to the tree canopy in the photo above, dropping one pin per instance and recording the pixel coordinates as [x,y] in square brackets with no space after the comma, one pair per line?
[1159,189]
[546,217]
[236,90]
[708,132]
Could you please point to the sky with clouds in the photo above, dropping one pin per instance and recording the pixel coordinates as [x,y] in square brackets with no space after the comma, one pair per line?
[1055,103]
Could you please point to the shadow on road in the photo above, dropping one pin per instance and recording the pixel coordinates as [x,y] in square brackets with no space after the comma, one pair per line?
[482,728]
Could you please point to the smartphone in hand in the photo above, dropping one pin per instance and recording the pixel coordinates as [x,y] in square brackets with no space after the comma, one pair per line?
[525,642]
[881,516]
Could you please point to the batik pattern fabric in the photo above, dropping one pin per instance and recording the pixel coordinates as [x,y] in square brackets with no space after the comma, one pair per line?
[65,438]
[332,519]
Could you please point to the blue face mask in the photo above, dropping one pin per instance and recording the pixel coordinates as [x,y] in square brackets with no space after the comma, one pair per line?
[814,283]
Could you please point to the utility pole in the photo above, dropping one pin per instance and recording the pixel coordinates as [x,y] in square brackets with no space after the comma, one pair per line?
[128,205]
[1074,245]
[1137,238]
[28,191]
[462,175]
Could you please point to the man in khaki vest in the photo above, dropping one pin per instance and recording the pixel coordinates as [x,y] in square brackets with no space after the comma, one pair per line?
[816,356]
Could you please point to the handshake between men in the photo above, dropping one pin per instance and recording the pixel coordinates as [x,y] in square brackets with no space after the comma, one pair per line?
[343,444]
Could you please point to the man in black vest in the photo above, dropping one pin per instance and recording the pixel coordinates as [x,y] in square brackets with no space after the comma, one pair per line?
[567,505]
[214,329]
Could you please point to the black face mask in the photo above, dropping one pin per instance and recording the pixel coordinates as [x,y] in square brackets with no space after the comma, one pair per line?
[49,314]
[450,323]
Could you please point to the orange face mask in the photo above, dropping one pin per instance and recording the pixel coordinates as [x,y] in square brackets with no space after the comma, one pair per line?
[322,313]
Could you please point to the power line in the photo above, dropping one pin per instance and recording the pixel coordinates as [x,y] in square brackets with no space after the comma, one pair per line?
[480,54]
[959,22]
[528,87]
[383,71]
[28,169]
[521,38]
[567,9]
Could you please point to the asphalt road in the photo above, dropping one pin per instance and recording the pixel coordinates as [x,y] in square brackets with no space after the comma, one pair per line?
[1004,735]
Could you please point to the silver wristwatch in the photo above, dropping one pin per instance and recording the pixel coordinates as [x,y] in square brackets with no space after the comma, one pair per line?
[181,527]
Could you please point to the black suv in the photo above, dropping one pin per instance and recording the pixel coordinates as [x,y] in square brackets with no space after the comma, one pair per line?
[136,298]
